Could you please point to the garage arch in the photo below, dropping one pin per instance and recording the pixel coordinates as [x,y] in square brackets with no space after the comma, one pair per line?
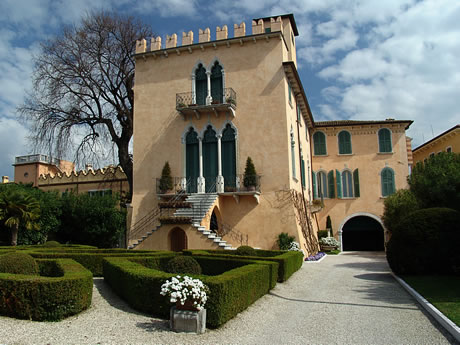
[362,231]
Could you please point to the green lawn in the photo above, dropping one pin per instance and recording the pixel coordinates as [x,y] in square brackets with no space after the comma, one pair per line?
[441,291]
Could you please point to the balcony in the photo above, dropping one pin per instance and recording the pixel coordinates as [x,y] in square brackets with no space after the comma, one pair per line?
[186,104]
[232,186]
[36,159]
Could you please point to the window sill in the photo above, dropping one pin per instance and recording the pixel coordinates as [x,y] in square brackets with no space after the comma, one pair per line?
[345,154]
[348,198]
[326,155]
[385,153]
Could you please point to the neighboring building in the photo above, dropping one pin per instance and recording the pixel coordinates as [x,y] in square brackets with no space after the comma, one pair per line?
[28,169]
[206,106]
[449,141]
[356,164]
[49,173]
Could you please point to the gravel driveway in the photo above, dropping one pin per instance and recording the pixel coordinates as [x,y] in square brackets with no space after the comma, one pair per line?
[346,299]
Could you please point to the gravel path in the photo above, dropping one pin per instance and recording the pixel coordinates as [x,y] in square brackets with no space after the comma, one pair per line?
[345,299]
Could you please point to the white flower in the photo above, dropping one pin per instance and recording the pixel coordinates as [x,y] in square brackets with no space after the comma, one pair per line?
[183,288]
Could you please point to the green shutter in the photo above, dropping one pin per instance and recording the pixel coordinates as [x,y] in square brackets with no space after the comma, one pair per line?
[330,182]
[385,140]
[313,177]
[302,166]
[344,142]
[356,182]
[338,180]
[319,144]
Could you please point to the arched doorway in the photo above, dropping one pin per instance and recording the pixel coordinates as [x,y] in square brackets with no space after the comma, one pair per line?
[177,240]
[363,233]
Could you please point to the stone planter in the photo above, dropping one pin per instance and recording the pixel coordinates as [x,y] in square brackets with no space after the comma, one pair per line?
[187,320]
[328,248]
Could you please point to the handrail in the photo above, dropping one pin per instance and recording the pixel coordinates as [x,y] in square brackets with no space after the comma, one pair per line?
[148,220]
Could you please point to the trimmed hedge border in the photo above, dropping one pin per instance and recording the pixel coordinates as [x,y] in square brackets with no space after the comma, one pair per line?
[92,259]
[139,280]
[47,298]
[289,261]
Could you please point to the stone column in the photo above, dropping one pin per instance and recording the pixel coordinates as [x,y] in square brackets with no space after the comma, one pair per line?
[220,178]
[193,89]
[208,97]
[340,240]
[201,181]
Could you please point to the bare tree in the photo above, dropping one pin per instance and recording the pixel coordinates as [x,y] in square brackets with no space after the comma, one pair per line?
[82,97]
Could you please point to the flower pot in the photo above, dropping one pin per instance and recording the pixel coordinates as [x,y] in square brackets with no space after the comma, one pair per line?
[187,320]
[188,305]
[328,248]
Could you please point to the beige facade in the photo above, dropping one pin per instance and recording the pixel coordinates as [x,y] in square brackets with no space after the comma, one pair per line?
[448,141]
[367,173]
[261,97]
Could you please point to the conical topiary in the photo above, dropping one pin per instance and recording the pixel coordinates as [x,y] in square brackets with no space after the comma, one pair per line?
[250,174]
[166,181]
[329,225]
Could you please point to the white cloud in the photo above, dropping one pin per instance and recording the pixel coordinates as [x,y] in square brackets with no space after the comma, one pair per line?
[12,138]
[167,8]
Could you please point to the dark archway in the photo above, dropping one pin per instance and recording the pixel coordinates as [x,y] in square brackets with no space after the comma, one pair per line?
[210,159]
[192,160]
[177,240]
[363,233]
[229,158]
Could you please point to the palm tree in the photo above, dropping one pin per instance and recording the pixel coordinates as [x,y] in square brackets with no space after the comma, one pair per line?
[18,208]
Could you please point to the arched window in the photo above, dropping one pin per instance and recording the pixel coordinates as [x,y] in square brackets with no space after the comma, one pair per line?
[210,159]
[229,158]
[191,160]
[319,144]
[344,143]
[217,85]
[388,181]
[385,140]
[201,85]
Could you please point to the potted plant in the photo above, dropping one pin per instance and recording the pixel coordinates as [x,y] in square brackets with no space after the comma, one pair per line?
[328,243]
[230,100]
[166,181]
[250,175]
[189,296]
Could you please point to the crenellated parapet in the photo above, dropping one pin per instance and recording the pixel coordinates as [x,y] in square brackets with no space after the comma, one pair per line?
[88,175]
[259,26]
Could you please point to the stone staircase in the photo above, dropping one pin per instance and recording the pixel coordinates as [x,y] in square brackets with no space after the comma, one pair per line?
[201,203]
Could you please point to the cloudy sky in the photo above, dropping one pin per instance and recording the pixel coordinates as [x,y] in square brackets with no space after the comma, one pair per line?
[357,59]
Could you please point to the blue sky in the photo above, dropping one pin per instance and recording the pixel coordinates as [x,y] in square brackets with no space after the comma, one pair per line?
[357,59]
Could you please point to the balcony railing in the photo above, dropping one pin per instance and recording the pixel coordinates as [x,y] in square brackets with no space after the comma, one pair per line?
[232,184]
[37,158]
[187,102]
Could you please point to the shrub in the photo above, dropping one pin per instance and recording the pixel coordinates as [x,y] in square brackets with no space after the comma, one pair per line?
[397,206]
[329,224]
[250,174]
[94,220]
[52,244]
[321,234]
[289,262]
[230,292]
[183,264]
[18,263]
[426,241]
[47,298]
[329,241]
[436,183]
[166,181]
[245,251]
[284,241]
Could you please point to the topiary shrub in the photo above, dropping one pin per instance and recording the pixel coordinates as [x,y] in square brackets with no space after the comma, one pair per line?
[245,251]
[51,244]
[18,263]
[425,242]
[183,264]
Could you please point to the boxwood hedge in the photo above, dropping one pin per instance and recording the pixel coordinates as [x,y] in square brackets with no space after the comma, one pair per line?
[139,280]
[65,288]
[289,261]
